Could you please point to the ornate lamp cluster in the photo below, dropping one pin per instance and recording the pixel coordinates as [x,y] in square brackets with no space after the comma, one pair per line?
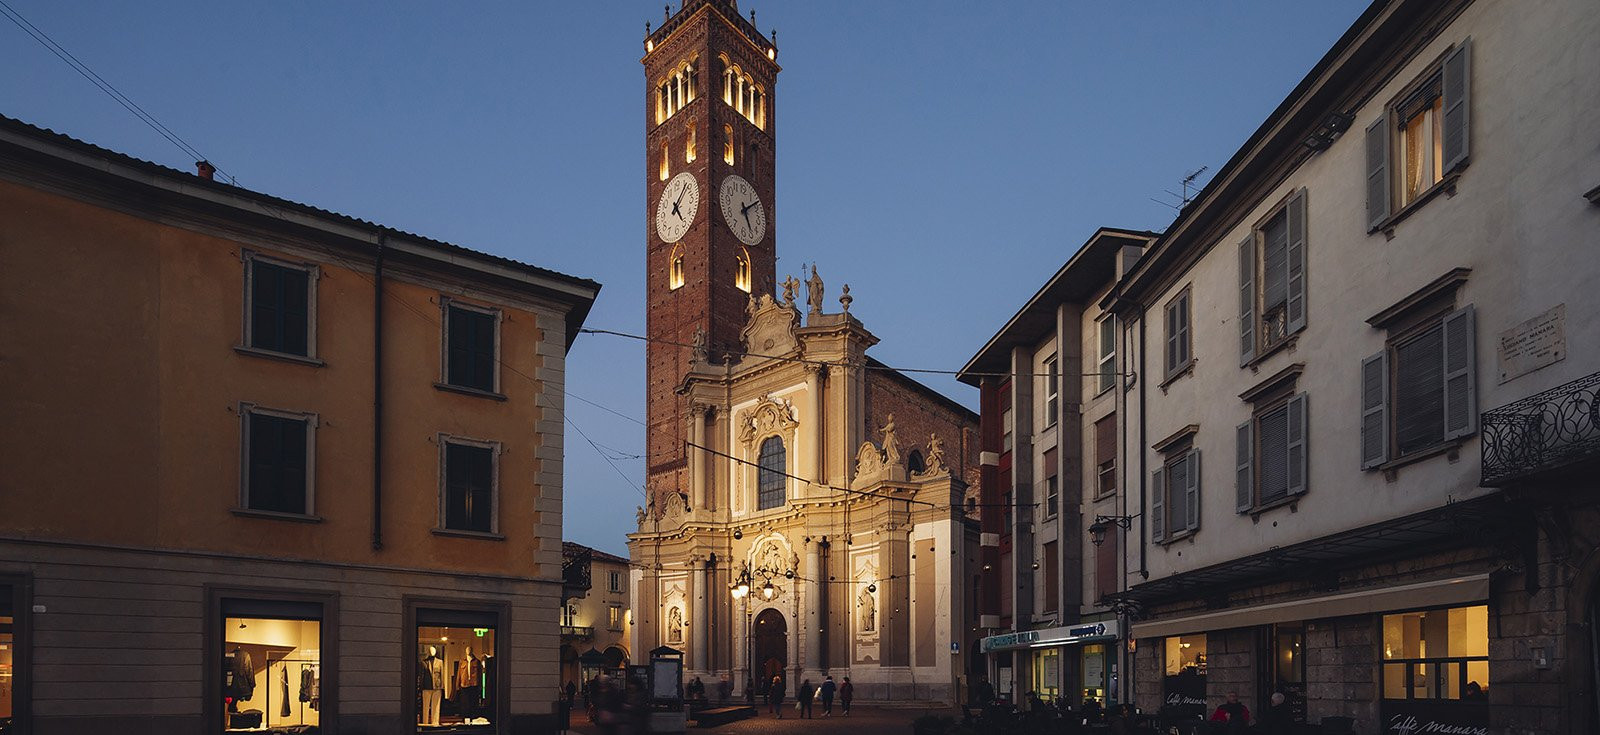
[747,580]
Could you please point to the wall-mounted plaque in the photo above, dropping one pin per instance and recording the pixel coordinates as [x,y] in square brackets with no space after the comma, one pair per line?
[1533,344]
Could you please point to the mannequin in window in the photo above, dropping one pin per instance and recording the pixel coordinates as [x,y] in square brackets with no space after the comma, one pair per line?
[469,674]
[430,681]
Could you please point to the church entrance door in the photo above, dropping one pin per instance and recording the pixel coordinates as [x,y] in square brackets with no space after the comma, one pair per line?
[771,648]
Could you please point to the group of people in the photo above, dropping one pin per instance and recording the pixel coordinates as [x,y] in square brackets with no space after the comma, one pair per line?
[1232,717]
[617,704]
[807,695]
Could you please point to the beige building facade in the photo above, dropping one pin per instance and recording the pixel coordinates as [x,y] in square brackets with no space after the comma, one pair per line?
[596,620]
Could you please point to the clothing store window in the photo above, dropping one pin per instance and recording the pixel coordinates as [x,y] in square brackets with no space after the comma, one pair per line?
[1184,683]
[468,496]
[457,684]
[271,665]
[9,671]
[1096,682]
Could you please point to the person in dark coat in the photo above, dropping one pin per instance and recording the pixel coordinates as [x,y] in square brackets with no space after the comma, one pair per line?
[775,695]
[826,692]
[806,693]
[1231,717]
[1277,719]
[847,692]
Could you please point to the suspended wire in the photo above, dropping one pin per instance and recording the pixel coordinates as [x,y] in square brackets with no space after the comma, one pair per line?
[115,94]
[833,363]
[603,456]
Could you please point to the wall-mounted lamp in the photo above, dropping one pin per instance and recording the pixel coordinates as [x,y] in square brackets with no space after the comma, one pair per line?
[1097,530]
[1328,131]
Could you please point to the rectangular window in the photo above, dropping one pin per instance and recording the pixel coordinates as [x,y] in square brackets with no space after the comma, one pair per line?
[1272,449]
[470,480]
[1052,575]
[1175,494]
[14,670]
[1178,355]
[1185,668]
[1420,392]
[614,617]
[1105,456]
[1106,368]
[1006,427]
[1052,391]
[1052,485]
[1005,501]
[615,581]
[279,301]
[1440,654]
[278,461]
[471,347]
[1421,138]
[458,667]
[1272,280]
[272,673]
[1105,563]
[1096,674]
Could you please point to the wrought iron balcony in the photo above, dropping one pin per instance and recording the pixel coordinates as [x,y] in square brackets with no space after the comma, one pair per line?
[583,632]
[1542,432]
[575,571]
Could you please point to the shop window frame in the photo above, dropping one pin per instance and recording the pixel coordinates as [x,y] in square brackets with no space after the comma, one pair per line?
[214,636]
[21,584]
[1410,664]
[410,696]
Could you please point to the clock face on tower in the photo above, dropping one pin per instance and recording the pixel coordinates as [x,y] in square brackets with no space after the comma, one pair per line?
[741,207]
[680,200]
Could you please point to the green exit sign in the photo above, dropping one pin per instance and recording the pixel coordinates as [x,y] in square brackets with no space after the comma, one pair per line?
[480,631]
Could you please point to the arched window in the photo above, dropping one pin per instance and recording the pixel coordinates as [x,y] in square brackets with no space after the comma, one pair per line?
[914,461]
[741,274]
[771,477]
[666,165]
[675,270]
[727,144]
[688,147]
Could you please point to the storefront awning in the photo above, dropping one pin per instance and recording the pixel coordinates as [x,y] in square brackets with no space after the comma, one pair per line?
[1459,590]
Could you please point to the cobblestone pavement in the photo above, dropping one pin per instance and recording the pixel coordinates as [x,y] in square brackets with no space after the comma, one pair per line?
[874,720]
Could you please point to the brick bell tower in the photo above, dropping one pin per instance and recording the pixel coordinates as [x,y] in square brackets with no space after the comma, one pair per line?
[709,120]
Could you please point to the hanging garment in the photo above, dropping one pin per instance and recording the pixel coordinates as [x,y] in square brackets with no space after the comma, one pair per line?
[308,684]
[283,711]
[244,675]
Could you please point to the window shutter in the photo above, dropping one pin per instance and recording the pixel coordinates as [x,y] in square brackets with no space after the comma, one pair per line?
[1245,474]
[1172,338]
[1158,505]
[1374,402]
[1457,92]
[1191,490]
[1377,172]
[1460,374]
[1298,421]
[1297,262]
[1247,300]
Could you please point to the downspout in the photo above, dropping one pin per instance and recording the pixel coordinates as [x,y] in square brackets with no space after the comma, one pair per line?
[377,396]
[1144,472]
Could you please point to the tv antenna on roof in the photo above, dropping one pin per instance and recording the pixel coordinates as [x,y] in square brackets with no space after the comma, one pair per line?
[1187,184]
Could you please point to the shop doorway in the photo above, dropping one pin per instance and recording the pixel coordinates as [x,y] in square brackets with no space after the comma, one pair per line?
[770,645]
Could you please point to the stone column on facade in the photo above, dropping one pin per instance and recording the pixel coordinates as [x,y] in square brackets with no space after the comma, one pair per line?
[698,607]
[813,620]
[697,455]
[813,442]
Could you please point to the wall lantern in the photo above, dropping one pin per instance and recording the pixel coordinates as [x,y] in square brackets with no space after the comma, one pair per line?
[1097,530]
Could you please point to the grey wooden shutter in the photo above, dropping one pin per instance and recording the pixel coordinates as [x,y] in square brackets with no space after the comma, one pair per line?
[1247,300]
[1191,490]
[1457,104]
[1374,405]
[1297,263]
[1244,474]
[1460,374]
[1183,331]
[1298,421]
[1172,339]
[1378,172]
[1158,505]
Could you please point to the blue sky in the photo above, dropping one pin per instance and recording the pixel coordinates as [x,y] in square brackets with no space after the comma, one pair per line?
[943,157]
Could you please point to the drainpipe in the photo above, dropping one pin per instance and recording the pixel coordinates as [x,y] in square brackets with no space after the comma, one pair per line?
[1144,473]
[377,396]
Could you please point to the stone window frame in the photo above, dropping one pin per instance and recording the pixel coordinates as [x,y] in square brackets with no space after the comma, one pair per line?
[496,449]
[248,409]
[446,303]
[247,344]
[766,419]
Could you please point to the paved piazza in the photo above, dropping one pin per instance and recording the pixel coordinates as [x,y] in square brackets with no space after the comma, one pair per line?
[881,721]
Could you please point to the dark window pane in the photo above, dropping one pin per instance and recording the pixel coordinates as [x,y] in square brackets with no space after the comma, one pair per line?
[277,464]
[771,475]
[471,351]
[279,308]
[469,490]
[1419,392]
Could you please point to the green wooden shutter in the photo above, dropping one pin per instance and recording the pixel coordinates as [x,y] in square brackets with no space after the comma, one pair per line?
[1296,305]
[1460,374]
[1247,299]
[1378,172]
[1457,91]
[1298,444]
[1191,491]
[1158,505]
[1374,410]
[1244,474]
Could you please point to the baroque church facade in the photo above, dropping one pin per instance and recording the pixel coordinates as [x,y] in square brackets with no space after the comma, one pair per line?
[808,511]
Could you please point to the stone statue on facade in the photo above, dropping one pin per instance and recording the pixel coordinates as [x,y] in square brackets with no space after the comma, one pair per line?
[699,352]
[790,287]
[891,448]
[934,462]
[814,293]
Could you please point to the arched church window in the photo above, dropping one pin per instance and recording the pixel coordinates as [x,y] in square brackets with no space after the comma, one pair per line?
[727,144]
[771,474]
[741,274]
[914,461]
[675,270]
[693,78]
[688,146]
[666,165]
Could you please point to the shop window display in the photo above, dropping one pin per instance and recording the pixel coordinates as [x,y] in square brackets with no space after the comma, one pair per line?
[456,678]
[8,648]
[272,673]
[1184,685]
[1436,669]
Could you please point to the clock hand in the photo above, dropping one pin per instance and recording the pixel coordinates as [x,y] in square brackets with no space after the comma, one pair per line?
[675,209]
[747,224]
[680,197]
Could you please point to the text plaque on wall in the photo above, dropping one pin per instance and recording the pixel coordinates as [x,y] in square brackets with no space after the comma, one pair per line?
[1533,344]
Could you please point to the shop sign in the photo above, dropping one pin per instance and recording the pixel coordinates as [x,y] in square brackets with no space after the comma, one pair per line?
[1434,717]
[1049,637]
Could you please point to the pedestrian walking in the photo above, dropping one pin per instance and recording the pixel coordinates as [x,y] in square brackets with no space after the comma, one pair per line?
[750,691]
[775,695]
[826,692]
[847,692]
[806,693]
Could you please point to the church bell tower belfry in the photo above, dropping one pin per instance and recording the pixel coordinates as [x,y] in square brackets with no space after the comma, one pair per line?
[710,78]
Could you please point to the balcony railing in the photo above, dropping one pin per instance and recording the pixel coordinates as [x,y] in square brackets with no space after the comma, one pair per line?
[1542,432]
[575,571]
[577,631]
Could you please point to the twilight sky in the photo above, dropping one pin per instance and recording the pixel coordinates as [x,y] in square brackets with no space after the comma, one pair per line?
[942,157]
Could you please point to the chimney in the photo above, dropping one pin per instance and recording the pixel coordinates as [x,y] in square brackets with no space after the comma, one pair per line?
[206,170]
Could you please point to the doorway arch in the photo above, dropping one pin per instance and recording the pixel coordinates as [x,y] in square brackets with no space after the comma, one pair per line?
[770,646]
